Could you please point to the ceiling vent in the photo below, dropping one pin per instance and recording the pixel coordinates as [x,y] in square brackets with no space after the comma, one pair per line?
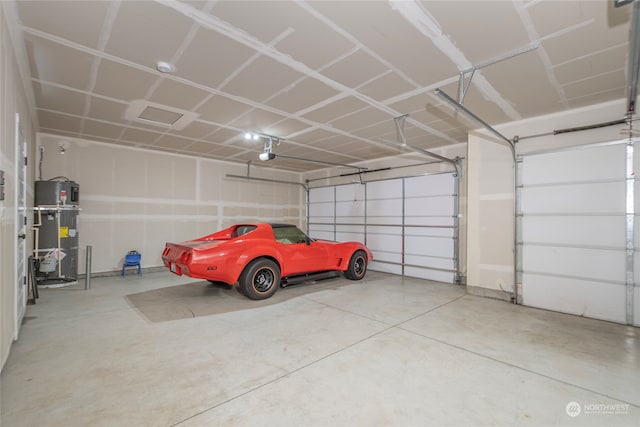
[142,111]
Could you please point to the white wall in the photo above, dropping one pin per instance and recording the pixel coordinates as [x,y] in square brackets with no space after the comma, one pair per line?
[139,199]
[12,101]
[490,248]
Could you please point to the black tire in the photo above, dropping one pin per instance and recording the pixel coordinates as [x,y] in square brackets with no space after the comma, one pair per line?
[260,279]
[357,266]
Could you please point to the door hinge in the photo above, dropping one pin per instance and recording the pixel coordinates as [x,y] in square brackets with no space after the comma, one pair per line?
[26,161]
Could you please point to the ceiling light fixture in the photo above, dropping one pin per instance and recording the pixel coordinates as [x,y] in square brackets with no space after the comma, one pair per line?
[268,153]
[255,136]
[269,142]
[165,67]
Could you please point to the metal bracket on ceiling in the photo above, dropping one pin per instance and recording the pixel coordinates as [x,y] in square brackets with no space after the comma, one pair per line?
[462,87]
[402,140]
[399,121]
[469,114]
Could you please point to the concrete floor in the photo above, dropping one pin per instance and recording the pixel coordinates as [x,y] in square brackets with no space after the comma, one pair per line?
[387,351]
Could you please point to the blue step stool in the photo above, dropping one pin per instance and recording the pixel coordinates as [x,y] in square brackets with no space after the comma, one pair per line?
[132,259]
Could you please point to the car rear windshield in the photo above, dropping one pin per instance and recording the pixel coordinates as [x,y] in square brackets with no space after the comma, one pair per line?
[289,235]
[242,229]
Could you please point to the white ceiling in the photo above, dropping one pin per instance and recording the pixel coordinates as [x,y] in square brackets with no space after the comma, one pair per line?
[327,77]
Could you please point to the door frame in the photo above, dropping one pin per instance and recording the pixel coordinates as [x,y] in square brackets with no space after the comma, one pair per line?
[20,225]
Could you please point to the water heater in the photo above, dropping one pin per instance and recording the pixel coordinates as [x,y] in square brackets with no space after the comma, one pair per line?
[57,205]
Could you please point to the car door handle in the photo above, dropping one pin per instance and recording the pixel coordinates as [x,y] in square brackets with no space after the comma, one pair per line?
[22,236]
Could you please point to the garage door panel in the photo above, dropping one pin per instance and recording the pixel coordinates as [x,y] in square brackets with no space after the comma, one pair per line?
[430,185]
[383,230]
[595,198]
[391,189]
[349,220]
[636,270]
[350,209]
[350,228]
[384,242]
[322,194]
[325,210]
[387,256]
[599,264]
[384,220]
[589,164]
[430,206]
[435,275]
[428,210]
[430,231]
[575,296]
[320,227]
[350,233]
[350,193]
[349,237]
[321,231]
[321,235]
[433,221]
[429,262]
[385,268]
[428,245]
[384,208]
[575,230]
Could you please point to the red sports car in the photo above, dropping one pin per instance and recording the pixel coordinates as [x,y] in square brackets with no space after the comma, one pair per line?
[262,257]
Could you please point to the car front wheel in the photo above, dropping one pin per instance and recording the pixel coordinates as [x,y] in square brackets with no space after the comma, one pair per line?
[357,266]
[260,279]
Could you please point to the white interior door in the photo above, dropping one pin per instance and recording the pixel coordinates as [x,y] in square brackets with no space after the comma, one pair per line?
[20,226]
[573,240]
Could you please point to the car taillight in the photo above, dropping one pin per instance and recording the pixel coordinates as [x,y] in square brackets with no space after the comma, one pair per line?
[165,252]
[186,258]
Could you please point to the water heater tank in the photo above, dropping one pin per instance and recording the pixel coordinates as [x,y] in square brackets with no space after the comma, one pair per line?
[57,193]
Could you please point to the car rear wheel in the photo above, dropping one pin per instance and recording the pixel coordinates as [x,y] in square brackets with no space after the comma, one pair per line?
[357,266]
[260,279]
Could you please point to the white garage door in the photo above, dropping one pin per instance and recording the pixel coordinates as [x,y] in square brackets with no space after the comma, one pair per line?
[573,243]
[409,223]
